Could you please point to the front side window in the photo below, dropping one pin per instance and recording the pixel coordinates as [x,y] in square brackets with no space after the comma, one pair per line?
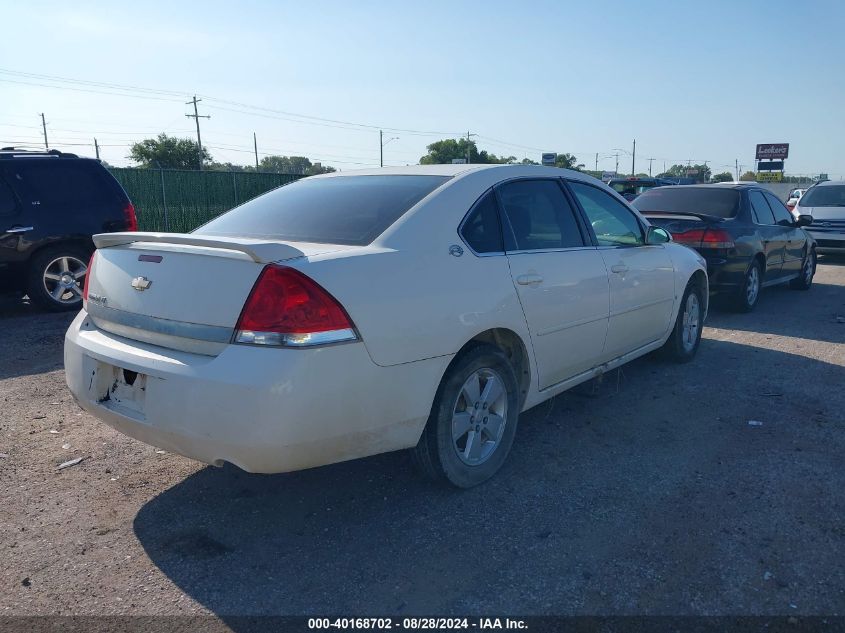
[613,223]
[482,230]
[539,215]
[760,209]
[781,213]
[351,210]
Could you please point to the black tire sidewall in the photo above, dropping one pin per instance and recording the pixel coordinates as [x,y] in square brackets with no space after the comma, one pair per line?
[457,472]
[38,266]
[742,298]
[801,283]
[679,352]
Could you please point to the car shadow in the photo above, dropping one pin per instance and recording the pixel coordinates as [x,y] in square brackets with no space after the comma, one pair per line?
[782,311]
[604,498]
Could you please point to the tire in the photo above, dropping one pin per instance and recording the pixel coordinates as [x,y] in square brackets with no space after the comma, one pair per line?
[460,458]
[56,276]
[748,296]
[683,342]
[808,271]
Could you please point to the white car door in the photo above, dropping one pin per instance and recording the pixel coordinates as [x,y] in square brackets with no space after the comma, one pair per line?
[559,275]
[642,278]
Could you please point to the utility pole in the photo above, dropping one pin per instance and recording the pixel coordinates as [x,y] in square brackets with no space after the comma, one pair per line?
[468,145]
[196,116]
[381,144]
[96,149]
[634,160]
[704,171]
[255,146]
[650,161]
[616,170]
[597,161]
[736,166]
[44,127]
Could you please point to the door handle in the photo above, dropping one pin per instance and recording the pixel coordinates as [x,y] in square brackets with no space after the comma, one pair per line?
[529,280]
[20,229]
[619,268]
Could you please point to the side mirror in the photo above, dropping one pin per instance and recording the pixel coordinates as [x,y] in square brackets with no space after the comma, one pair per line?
[656,235]
[804,220]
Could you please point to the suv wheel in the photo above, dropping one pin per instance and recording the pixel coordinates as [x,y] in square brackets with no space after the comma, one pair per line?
[473,420]
[56,277]
[747,298]
[808,271]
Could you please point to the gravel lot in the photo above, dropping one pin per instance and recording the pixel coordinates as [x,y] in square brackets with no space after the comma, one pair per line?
[654,496]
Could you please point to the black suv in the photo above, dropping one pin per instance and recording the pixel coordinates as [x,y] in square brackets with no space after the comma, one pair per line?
[51,203]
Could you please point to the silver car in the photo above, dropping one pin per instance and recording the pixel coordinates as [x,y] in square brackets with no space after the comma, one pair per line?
[825,201]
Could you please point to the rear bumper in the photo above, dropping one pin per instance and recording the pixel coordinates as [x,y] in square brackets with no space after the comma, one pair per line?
[726,274]
[264,410]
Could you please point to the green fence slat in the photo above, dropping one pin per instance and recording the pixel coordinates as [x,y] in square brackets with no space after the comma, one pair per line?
[191,198]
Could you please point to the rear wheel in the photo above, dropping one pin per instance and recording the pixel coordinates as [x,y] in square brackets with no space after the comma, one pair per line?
[746,299]
[808,271]
[473,419]
[56,277]
[683,343]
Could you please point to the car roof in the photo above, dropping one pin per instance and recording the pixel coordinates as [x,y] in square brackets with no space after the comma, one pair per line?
[827,183]
[457,170]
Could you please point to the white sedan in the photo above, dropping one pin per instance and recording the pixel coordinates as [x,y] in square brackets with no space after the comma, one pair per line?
[361,312]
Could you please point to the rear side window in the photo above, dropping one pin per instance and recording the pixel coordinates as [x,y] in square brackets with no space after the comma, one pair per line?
[782,214]
[337,210]
[482,230]
[539,215]
[73,186]
[723,203]
[8,204]
[760,209]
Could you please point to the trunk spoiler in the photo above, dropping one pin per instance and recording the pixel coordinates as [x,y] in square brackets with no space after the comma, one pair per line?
[260,251]
[682,215]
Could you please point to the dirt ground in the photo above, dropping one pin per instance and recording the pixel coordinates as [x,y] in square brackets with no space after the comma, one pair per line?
[656,496]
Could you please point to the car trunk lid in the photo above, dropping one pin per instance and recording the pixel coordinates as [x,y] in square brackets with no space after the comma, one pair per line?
[180,291]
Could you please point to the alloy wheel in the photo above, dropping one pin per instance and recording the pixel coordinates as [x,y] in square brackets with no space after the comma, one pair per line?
[63,278]
[479,417]
[752,285]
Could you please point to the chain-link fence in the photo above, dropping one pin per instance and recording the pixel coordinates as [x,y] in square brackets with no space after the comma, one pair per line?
[179,201]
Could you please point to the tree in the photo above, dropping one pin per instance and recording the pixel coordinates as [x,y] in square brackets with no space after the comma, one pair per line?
[292,165]
[749,176]
[442,152]
[567,161]
[725,176]
[167,152]
[682,171]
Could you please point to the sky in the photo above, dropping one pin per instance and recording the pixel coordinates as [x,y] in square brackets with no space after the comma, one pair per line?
[689,81]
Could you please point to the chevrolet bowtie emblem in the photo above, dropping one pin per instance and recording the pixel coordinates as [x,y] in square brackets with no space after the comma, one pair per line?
[141,283]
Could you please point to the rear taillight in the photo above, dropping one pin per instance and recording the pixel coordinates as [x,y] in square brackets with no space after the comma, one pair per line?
[705,238]
[131,218]
[287,308]
[88,272]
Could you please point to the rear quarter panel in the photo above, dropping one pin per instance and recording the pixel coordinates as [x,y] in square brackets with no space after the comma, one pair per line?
[409,297]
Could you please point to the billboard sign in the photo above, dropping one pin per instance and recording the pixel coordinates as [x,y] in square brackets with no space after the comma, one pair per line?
[549,159]
[770,165]
[459,161]
[772,151]
[769,176]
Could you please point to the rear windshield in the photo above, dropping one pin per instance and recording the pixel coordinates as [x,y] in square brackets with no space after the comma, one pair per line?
[337,210]
[631,187]
[723,203]
[830,196]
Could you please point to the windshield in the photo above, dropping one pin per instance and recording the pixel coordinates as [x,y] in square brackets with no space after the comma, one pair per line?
[631,187]
[723,203]
[338,210]
[829,196]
